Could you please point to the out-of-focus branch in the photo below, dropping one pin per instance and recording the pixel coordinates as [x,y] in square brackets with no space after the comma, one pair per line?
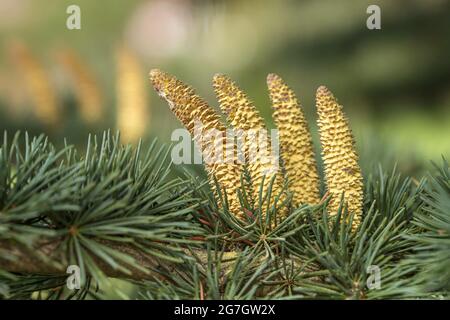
[45,258]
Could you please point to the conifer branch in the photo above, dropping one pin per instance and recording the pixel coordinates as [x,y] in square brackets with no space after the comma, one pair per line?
[45,259]
[119,212]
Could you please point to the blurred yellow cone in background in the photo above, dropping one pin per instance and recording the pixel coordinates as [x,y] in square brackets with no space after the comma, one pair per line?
[37,84]
[133,114]
[86,87]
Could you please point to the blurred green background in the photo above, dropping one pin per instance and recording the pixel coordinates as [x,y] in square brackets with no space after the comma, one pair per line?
[394,83]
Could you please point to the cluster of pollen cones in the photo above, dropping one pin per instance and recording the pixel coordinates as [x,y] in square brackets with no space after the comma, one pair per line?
[132,112]
[342,172]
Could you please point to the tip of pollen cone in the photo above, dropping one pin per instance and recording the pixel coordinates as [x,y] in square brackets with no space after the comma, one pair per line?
[271,76]
[157,78]
[323,90]
[154,73]
[273,79]
[219,77]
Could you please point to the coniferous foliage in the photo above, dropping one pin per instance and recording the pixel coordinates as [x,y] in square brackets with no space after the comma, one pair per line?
[118,212]
[96,211]
[121,212]
[433,249]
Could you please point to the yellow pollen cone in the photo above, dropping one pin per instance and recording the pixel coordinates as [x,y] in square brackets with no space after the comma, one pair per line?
[342,172]
[245,119]
[296,145]
[190,110]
